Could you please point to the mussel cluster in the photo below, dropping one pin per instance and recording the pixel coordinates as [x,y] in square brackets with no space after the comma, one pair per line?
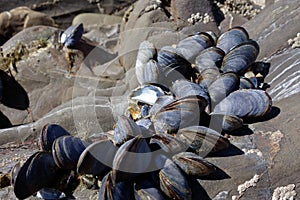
[190,96]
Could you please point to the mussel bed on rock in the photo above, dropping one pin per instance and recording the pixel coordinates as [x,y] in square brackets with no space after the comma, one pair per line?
[191,95]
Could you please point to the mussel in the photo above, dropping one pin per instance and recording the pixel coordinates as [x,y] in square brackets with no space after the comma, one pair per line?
[208,58]
[178,114]
[66,151]
[146,68]
[191,46]
[245,103]
[222,87]
[232,38]
[71,36]
[49,133]
[97,158]
[184,88]
[239,59]
[202,140]
[132,159]
[39,171]
[173,182]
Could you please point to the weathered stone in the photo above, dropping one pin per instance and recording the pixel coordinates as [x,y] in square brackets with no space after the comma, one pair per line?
[232,20]
[94,20]
[284,74]
[182,10]
[269,28]
[44,72]
[17,19]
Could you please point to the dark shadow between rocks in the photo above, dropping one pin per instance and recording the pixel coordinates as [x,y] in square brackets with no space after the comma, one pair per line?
[93,54]
[232,150]
[244,130]
[218,174]
[198,192]
[4,121]
[274,112]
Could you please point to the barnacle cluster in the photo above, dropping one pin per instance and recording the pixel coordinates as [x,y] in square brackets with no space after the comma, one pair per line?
[241,7]
[295,42]
[200,18]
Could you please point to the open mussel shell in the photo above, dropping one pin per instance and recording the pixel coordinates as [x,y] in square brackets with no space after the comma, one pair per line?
[210,57]
[37,172]
[191,46]
[66,151]
[147,93]
[202,140]
[232,38]
[125,129]
[239,59]
[245,103]
[97,158]
[193,165]
[173,182]
[13,94]
[184,88]
[146,190]
[178,114]
[131,159]
[48,134]
[223,86]
[115,191]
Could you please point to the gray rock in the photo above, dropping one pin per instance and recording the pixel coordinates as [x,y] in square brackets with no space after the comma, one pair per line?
[181,10]
[92,20]
[269,28]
